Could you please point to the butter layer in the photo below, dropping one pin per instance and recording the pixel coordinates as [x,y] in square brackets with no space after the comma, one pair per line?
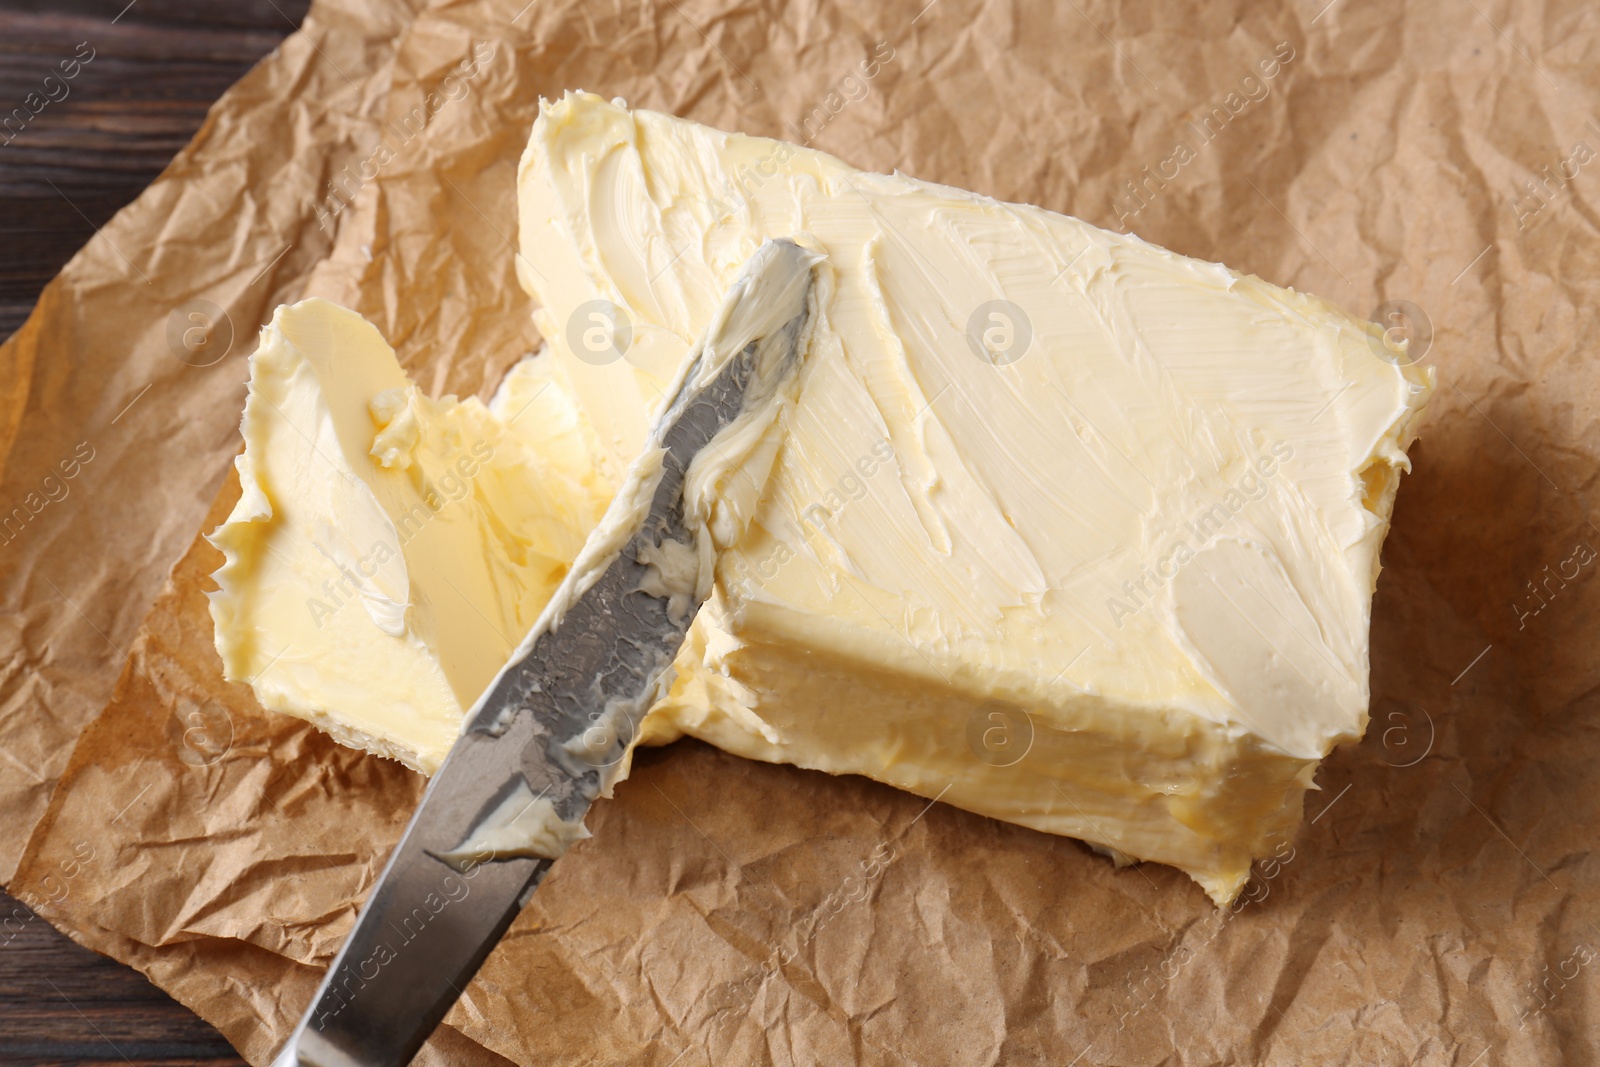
[1127,501]
[389,550]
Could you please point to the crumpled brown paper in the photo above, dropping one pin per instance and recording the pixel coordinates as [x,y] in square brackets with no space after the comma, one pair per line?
[1426,164]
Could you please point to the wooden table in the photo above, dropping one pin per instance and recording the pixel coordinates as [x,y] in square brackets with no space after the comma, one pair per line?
[157,66]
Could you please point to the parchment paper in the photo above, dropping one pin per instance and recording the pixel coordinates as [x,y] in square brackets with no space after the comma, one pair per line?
[1440,904]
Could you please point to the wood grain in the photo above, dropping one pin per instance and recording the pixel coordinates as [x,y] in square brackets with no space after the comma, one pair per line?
[62,1004]
[154,73]
[97,140]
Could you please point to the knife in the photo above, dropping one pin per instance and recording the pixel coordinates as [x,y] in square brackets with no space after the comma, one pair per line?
[552,730]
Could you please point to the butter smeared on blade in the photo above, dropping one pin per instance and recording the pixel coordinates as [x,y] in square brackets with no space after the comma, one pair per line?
[765,318]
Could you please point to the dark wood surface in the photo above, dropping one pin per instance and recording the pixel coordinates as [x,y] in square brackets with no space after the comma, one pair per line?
[155,71]
[157,66]
[62,1004]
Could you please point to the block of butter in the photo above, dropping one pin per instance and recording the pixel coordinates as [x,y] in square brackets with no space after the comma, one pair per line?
[1067,529]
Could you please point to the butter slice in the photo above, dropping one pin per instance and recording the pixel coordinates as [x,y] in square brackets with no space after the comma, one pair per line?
[1069,530]
[389,550]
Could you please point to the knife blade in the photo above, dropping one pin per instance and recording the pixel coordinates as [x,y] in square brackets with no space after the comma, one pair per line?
[550,732]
